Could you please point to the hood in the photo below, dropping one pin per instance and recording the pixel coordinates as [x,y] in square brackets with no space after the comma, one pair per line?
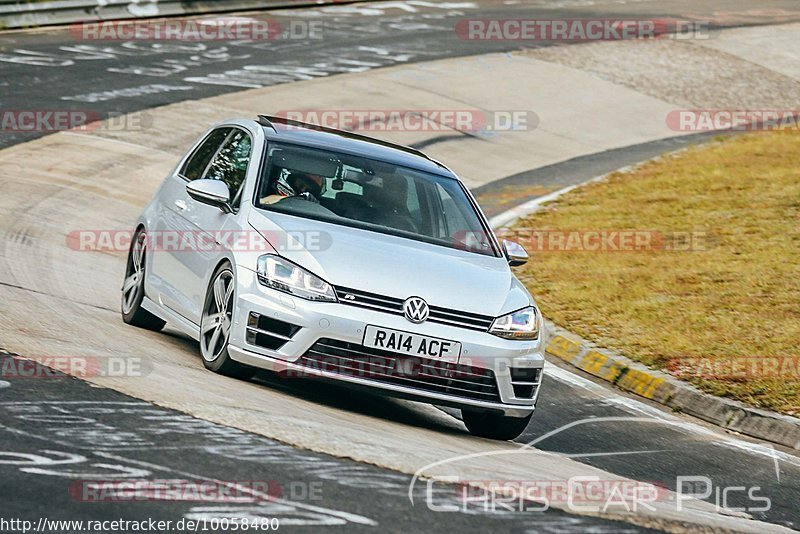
[394,266]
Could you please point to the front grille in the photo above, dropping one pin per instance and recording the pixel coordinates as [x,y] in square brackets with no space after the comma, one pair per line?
[394,306]
[437,376]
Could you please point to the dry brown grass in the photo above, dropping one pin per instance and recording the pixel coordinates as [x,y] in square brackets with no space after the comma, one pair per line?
[735,294]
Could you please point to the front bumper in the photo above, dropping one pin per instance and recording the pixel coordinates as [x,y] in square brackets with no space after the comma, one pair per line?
[336,321]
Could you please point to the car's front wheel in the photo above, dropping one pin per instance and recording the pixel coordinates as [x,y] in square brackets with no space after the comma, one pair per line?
[133,287]
[216,323]
[495,426]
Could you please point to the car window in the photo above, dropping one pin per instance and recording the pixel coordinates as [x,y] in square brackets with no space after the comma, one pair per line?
[230,163]
[372,195]
[345,188]
[412,201]
[454,218]
[197,164]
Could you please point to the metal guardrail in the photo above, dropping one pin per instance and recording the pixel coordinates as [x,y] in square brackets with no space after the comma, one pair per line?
[20,14]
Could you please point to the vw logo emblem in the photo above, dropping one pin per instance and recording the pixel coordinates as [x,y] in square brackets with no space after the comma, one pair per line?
[416,309]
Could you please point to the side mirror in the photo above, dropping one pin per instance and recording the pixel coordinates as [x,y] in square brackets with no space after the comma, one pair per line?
[212,192]
[514,252]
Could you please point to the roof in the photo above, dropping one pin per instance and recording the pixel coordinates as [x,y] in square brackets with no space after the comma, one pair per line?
[296,132]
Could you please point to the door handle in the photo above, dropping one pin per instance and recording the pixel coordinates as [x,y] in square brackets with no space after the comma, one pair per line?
[180,204]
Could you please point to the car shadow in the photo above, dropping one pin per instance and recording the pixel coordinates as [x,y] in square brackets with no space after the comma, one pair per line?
[358,400]
[342,397]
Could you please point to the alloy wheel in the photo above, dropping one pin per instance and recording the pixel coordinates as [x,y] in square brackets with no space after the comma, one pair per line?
[134,275]
[215,325]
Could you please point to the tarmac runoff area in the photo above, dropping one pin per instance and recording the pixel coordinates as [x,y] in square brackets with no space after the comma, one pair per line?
[54,300]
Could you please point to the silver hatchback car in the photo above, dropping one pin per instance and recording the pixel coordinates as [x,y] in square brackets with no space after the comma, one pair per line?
[319,253]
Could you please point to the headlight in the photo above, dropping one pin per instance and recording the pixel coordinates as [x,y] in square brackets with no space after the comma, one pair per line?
[283,275]
[522,324]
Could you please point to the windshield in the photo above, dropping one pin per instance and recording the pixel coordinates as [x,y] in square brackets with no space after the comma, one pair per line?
[371,195]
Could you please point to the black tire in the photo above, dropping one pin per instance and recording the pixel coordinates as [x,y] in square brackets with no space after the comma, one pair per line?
[495,426]
[133,287]
[216,323]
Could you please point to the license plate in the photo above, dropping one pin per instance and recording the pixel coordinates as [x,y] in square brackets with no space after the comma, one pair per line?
[411,344]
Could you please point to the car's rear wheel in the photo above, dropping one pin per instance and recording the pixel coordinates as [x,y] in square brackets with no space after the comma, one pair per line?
[133,287]
[495,426]
[216,323]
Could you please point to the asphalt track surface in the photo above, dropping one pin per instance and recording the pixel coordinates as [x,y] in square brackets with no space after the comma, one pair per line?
[51,70]
[55,69]
[60,435]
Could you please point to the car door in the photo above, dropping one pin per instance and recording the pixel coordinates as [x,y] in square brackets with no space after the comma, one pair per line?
[166,265]
[218,228]
[185,227]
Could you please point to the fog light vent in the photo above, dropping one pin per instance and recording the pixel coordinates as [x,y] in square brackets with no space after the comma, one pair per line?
[525,380]
[267,332]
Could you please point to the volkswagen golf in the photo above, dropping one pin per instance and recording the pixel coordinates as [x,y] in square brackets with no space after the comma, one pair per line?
[320,253]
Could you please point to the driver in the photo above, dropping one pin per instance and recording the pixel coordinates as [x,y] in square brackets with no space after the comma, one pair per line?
[295,184]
